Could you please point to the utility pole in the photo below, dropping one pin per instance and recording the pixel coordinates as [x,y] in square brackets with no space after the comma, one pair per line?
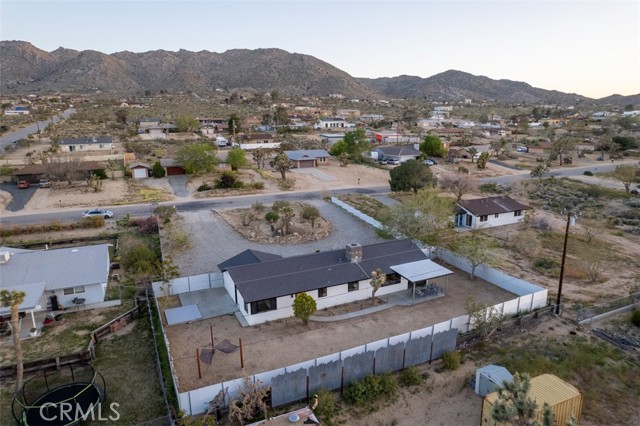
[564,256]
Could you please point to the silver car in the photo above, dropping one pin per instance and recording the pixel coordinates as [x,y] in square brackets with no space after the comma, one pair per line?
[107,214]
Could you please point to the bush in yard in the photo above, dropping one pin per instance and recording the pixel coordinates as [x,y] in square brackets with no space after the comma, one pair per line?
[271,216]
[258,185]
[204,187]
[304,306]
[635,318]
[410,376]
[451,360]
[587,173]
[327,407]
[228,180]
[148,225]
[370,389]
[157,170]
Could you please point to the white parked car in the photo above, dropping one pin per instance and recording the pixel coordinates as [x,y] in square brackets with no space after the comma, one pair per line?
[107,214]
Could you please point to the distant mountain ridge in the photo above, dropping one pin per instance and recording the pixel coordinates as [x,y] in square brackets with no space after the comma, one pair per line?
[25,68]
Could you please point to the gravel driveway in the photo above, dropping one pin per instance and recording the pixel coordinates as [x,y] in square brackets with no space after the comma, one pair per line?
[214,241]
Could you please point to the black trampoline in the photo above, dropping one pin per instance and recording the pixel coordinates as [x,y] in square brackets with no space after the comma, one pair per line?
[63,405]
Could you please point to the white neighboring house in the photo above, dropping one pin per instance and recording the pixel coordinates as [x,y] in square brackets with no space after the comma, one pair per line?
[264,286]
[401,153]
[333,123]
[634,113]
[489,212]
[257,140]
[102,143]
[68,273]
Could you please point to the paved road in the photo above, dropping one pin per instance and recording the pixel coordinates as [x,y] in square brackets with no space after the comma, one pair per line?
[566,172]
[16,135]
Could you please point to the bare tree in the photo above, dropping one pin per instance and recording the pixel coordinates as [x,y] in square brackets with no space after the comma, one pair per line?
[458,184]
[626,173]
[474,249]
[250,403]
[13,299]
[282,164]
[484,319]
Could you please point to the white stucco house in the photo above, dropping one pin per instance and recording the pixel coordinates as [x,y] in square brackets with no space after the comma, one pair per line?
[257,140]
[489,212]
[66,273]
[264,286]
[102,143]
[333,123]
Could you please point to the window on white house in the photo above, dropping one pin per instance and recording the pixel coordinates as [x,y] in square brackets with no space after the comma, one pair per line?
[264,306]
[517,213]
[484,218]
[497,215]
[353,286]
[322,292]
[73,290]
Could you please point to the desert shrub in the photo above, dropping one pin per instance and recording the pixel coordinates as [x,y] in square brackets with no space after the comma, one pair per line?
[410,376]
[258,185]
[287,184]
[271,216]
[540,223]
[370,389]
[545,263]
[165,213]
[204,187]
[258,206]
[463,169]
[327,407]
[635,318]
[587,173]
[451,360]
[279,205]
[92,222]
[158,170]
[228,180]
[146,225]
[493,188]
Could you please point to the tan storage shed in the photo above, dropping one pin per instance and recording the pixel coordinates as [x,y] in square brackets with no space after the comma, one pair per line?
[565,400]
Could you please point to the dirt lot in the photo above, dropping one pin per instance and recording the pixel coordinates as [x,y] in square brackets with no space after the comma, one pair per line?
[265,346]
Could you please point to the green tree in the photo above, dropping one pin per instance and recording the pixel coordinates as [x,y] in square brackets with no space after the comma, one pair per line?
[425,217]
[235,124]
[378,278]
[344,159]
[356,144]
[472,152]
[514,406]
[166,272]
[411,175]
[539,171]
[625,142]
[281,116]
[474,249]
[485,320]
[562,146]
[627,174]
[197,158]
[187,123]
[236,158]
[304,306]
[259,157]
[157,170]
[432,146]
[338,148]
[13,299]
[282,164]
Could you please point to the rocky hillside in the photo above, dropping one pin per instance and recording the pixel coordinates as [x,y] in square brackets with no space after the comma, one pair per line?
[457,85]
[27,68]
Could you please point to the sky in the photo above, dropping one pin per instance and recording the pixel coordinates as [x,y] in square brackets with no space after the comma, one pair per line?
[588,47]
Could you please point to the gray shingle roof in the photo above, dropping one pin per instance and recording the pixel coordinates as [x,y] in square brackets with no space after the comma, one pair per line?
[492,205]
[60,268]
[306,154]
[247,257]
[275,278]
[398,151]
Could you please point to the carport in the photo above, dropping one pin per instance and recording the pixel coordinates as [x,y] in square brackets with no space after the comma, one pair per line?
[32,300]
[421,271]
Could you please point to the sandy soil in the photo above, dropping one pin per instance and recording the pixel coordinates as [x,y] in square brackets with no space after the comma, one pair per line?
[265,346]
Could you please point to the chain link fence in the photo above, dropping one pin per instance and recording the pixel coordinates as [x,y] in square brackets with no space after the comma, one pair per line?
[600,310]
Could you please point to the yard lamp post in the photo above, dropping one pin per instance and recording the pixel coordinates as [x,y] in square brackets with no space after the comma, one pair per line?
[570,221]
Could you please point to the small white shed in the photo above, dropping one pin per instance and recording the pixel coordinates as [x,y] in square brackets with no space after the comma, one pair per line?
[490,377]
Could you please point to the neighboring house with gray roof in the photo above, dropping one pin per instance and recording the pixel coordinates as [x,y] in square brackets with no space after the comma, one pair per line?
[401,153]
[68,273]
[264,289]
[489,212]
[307,157]
[102,143]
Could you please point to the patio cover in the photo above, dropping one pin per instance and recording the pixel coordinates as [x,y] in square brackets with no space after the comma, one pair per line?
[33,294]
[182,314]
[421,270]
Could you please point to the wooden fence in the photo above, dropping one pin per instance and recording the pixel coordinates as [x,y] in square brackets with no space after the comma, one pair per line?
[9,371]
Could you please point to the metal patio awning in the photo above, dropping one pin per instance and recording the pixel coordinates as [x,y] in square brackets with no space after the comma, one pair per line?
[421,270]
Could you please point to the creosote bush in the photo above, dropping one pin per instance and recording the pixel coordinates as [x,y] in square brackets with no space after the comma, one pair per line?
[451,360]
[635,318]
[410,376]
[370,389]
[327,407]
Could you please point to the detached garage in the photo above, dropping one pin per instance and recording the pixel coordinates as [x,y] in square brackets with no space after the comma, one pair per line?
[139,170]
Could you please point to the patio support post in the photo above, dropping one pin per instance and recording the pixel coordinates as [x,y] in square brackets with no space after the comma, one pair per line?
[33,319]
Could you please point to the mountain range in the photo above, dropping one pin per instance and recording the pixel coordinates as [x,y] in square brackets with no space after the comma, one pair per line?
[25,68]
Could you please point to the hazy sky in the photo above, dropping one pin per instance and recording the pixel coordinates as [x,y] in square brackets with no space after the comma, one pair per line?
[588,47]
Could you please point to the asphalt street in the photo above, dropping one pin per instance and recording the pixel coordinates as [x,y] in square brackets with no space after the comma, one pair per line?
[16,135]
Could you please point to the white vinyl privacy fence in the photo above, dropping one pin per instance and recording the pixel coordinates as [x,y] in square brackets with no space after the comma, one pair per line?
[297,382]
[188,284]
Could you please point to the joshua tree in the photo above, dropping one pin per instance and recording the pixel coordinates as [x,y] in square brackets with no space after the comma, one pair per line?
[378,278]
[13,299]
[281,164]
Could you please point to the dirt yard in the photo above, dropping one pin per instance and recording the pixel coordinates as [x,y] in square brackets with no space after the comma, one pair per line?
[285,342]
